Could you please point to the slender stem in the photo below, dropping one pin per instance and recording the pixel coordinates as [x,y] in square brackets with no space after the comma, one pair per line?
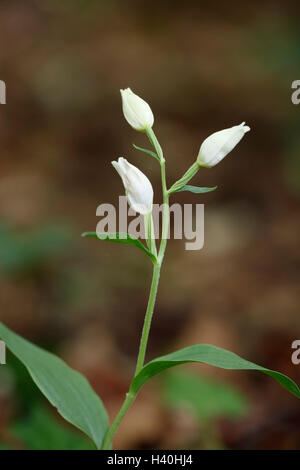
[152,296]
[194,168]
[150,235]
[166,211]
[123,410]
[148,319]
[153,140]
[156,269]
[166,216]
[141,357]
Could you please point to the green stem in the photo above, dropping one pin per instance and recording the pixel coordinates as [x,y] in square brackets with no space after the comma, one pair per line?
[141,357]
[153,140]
[156,269]
[150,235]
[194,168]
[166,216]
[148,319]
[130,397]
[166,210]
[112,430]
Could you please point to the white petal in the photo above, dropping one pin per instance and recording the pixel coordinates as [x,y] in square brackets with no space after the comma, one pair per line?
[215,147]
[138,188]
[136,111]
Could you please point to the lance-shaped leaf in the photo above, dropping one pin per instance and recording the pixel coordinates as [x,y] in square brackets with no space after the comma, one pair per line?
[149,152]
[120,237]
[65,388]
[194,189]
[207,354]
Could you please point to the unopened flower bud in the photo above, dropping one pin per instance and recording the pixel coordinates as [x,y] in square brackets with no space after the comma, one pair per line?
[136,111]
[138,188]
[215,147]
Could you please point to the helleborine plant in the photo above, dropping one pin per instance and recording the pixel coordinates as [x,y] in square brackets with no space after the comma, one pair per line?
[68,390]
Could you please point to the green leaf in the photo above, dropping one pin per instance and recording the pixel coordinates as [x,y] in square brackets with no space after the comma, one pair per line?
[120,237]
[195,189]
[65,388]
[149,152]
[207,354]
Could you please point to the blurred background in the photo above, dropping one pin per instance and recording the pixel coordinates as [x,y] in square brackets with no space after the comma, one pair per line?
[202,67]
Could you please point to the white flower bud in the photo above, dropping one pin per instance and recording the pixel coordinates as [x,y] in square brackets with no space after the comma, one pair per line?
[136,111]
[138,188]
[215,147]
